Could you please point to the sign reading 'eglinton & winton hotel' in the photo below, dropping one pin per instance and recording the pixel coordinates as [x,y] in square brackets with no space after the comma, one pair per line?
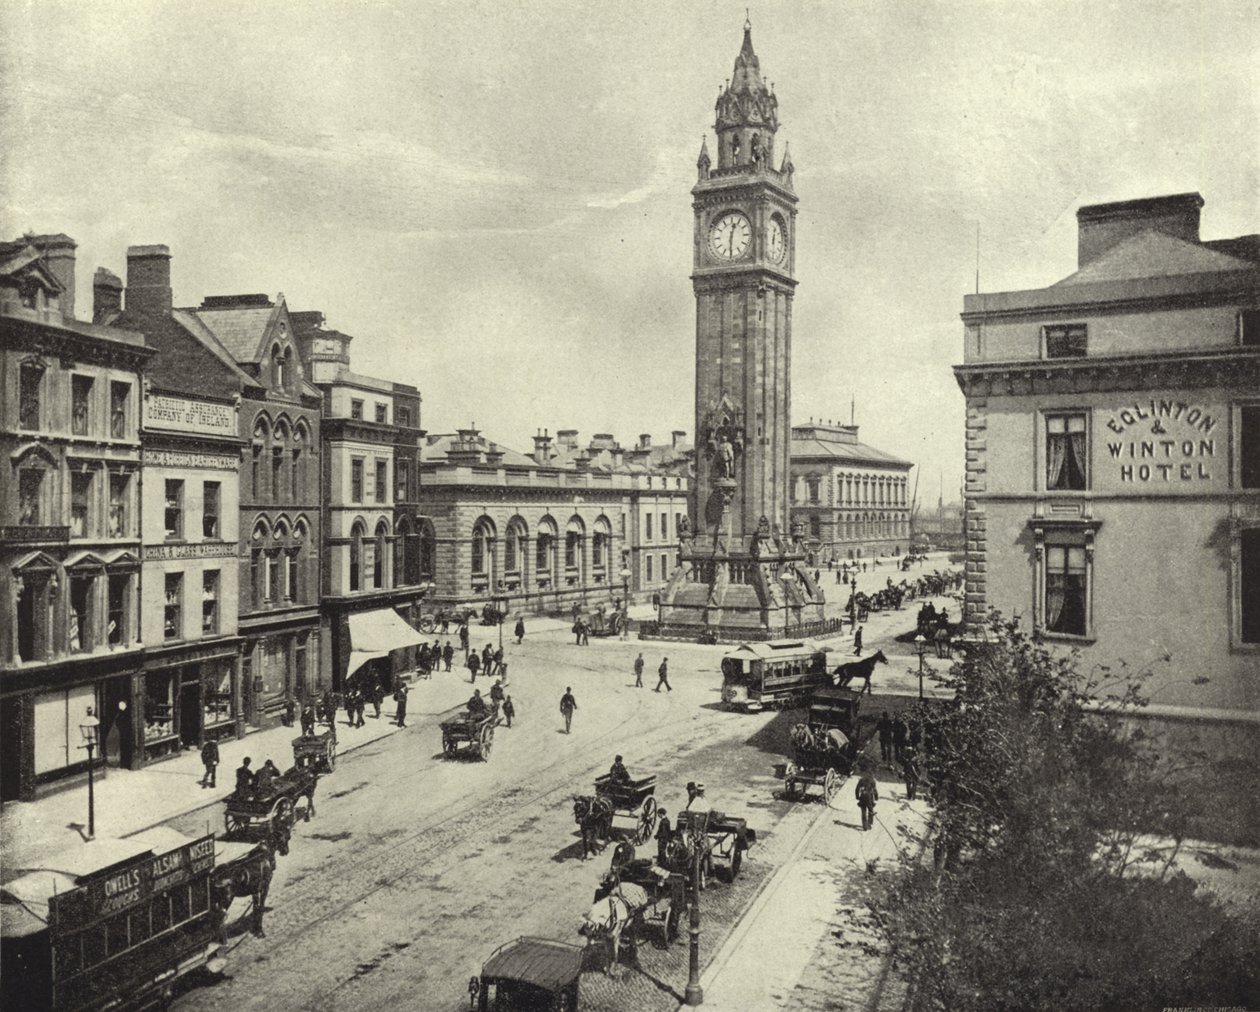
[1163,443]
[182,414]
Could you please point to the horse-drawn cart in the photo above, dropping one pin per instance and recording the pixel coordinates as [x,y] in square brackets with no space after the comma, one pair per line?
[632,799]
[470,735]
[825,748]
[269,813]
[316,751]
[717,835]
[531,975]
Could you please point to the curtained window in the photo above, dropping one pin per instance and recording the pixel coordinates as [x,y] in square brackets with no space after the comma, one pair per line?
[1065,452]
[1065,590]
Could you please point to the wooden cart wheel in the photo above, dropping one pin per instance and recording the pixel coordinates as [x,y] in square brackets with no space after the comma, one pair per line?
[449,744]
[831,786]
[233,823]
[648,818]
[485,740]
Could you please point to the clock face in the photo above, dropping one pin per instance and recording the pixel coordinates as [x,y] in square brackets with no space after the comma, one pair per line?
[730,236]
[776,242]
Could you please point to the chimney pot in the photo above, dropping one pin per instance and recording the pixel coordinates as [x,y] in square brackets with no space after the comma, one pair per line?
[107,292]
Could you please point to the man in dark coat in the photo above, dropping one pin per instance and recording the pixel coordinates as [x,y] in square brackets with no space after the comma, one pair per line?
[885,729]
[244,779]
[378,697]
[638,671]
[476,705]
[474,665]
[448,654]
[662,676]
[567,705]
[663,834]
[210,760]
[520,629]
[487,660]
[910,769]
[867,794]
[618,772]
[400,696]
[497,658]
[857,642]
[509,711]
[901,737]
[463,637]
[308,721]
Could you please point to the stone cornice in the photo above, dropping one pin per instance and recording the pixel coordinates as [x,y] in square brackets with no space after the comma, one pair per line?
[64,342]
[1226,367]
[727,279]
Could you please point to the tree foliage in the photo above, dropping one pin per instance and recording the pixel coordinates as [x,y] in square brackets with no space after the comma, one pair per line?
[1049,880]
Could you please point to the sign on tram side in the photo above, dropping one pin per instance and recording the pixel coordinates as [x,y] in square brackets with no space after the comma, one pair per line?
[125,928]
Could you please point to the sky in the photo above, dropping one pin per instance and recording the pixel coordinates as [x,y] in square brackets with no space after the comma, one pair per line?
[494,199]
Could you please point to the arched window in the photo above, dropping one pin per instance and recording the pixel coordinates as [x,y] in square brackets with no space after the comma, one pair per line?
[428,550]
[279,465]
[601,548]
[258,447]
[278,363]
[406,553]
[514,549]
[380,557]
[358,535]
[297,461]
[545,551]
[299,561]
[574,545]
[483,553]
[815,526]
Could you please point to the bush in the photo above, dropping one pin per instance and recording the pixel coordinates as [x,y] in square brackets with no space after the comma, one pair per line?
[1046,889]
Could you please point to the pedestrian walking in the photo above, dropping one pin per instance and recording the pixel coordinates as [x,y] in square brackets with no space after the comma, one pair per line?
[349,704]
[463,637]
[638,671]
[584,632]
[577,632]
[857,642]
[520,629]
[498,661]
[867,794]
[662,676]
[448,655]
[378,697]
[308,721]
[487,660]
[474,665]
[360,704]
[884,728]
[910,770]
[290,711]
[509,711]
[567,705]
[400,697]
[496,694]
[901,734]
[210,760]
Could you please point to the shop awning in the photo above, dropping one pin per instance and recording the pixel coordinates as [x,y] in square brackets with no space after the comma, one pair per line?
[375,633]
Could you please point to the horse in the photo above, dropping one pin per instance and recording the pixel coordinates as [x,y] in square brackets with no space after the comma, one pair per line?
[846,673]
[614,915]
[250,876]
[594,817]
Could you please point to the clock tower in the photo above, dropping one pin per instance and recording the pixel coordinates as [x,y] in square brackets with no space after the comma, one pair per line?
[741,572]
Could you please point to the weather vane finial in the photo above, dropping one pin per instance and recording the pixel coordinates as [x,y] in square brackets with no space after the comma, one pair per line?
[747,21]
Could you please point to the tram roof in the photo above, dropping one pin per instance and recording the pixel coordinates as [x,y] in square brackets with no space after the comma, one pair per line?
[776,648]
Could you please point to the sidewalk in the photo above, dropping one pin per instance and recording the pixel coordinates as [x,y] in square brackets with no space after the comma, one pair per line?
[128,801]
[807,941]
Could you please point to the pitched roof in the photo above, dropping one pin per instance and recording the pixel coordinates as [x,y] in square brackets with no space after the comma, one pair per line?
[1152,253]
[183,364]
[857,453]
[240,330]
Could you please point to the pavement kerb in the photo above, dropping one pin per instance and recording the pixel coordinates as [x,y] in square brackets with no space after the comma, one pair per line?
[763,896]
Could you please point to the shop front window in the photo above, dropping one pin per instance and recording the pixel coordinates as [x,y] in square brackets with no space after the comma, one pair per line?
[159,705]
[216,693]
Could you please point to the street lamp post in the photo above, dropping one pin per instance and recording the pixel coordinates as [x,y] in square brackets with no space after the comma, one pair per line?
[853,601]
[90,728]
[694,995]
[920,645]
[625,600]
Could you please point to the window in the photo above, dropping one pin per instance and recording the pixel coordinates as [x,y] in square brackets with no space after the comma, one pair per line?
[299,665]
[118,505]
[277,468]
[209,602]
[664,526]
[1249,446]
[81,588]
[119,394]
[402,416]
[174,509]
[30,383]
[171,620]
[678,517]
[30,499]
[210,510]
[81,403]
[382,414]
[356,479]
[271,584]
[382,481]
[812,484]
[291,585]
[815,526]
[119,591]
[356,409]
[295,476]
[1065,452]
[1249,327]
[1065,589]
[356,557]
[402,480]
[256,573]
[647,568]
[1066,340]
[378,556]
[255,471]
[572,549]
[664,566]
[647,527]
[80,504]
[1249,584]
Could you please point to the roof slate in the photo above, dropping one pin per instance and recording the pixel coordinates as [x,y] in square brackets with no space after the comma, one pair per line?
[240,331]
[182,363]
[1152,253]
[858,453]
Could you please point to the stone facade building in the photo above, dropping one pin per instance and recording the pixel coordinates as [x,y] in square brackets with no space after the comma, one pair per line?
[70,641]
[378,557]
[1113,456]
[852,500]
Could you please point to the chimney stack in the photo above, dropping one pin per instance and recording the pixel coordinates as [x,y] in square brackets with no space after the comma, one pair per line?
[58,252]
[1102,226]
[677,437]
[542,448]
[645,440]
[149,280]
[107,294]
[567,438]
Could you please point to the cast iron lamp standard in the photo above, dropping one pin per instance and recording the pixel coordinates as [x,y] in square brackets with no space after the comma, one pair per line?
[920,646]
[625,596]
[90,728]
